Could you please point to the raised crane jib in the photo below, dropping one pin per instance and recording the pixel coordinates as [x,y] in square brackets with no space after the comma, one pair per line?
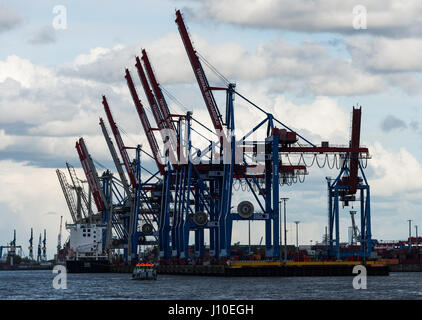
[120,143]
[354,156]
[157,92]
[91,175]
[145,122]
[159,107]
[200,76]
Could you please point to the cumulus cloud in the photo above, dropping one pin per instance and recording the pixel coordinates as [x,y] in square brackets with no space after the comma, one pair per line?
[107,64]
[308,119]
[9,18]
[395,173]
[301,68]
[388,17]
[44,112]
[381,54]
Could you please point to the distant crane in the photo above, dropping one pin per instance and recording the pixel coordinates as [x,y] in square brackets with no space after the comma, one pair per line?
[39,250]
[12,248]
[44,247]
[30,248]
[13,242]
[356,233]
[68,194]
[59,237]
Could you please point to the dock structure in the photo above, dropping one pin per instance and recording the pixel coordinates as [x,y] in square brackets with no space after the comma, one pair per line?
[276,269]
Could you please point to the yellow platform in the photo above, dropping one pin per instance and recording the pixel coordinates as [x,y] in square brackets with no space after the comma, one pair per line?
[264,263]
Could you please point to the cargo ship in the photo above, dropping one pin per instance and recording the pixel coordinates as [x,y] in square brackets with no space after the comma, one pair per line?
[85,251]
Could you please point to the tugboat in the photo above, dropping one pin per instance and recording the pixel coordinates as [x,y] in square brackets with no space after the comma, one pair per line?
[144,271]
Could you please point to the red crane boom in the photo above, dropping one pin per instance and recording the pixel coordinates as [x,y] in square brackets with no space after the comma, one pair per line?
[354,156]
[200,77]
[162,104]
[168,137]
[150,96]
[91,174]
[120,143]
[157,92]
[145,123]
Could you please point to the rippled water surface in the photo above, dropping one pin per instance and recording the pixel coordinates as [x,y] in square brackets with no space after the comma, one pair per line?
[39,285]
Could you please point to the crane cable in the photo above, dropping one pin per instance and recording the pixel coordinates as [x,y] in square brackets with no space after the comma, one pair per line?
[213,69]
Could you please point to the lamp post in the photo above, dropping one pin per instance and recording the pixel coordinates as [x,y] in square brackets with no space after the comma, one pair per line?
[285,229]
[297,234]
[410,231]
[280,241]
[249,235]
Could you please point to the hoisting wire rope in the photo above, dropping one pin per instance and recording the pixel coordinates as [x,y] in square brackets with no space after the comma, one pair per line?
[174,99]
[98,163]
[134,143]
[127,135]
[213,69]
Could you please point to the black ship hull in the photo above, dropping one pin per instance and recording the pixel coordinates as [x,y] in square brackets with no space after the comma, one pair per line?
[87,266]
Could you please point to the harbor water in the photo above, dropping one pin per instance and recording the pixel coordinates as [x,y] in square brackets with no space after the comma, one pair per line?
[38,285]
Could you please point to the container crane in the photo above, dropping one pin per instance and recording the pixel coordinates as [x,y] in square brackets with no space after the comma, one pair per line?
[197,196]
[59,237]
[356,233]
[68,195]
[86,204]
[128,203]
[39,257]
[279,143]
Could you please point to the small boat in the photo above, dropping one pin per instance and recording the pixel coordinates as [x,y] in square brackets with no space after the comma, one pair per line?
[144,271]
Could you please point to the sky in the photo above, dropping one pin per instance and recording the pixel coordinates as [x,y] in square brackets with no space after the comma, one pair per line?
[307,62]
